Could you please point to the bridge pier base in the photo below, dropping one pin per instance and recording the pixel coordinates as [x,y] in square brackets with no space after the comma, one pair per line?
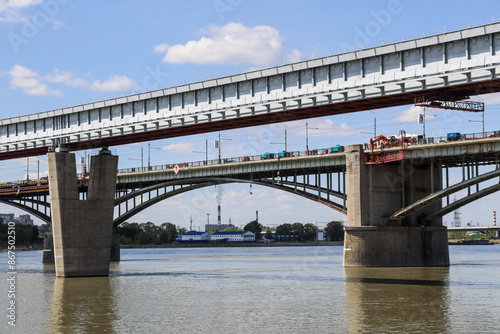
[377,191]
[82,229]
[396,246]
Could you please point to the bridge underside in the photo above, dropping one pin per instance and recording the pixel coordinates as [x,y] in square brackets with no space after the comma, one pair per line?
[313,111]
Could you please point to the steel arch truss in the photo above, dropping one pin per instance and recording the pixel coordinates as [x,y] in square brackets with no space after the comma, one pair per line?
[469,184]
[38,206]
[129,202]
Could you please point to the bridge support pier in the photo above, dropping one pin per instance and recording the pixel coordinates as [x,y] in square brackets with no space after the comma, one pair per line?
[377,191]
[82,229]
[48,249]
[115,247]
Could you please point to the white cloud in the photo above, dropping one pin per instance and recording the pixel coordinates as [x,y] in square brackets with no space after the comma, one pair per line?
[115,83]
[411,115]
[179,147]
[10,10]
[67,78]
[32,82]
[233,43]
[28,80]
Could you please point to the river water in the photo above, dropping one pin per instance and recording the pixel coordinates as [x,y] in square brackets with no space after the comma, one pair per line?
[256,290]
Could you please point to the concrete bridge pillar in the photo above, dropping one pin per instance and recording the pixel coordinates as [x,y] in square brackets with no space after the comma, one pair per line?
[48,249]
[82,229]
[377,191]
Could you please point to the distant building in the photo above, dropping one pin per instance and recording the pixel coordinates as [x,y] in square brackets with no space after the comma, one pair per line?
[194,237]
[320,235]
[24,219]
[209,227]
[233,236]
[7,217]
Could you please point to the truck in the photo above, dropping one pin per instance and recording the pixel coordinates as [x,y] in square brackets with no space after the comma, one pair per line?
[268,155]
[337,148]
[453,136]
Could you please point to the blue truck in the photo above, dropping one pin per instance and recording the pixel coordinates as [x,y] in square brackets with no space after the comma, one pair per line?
[337,148]
[453,136]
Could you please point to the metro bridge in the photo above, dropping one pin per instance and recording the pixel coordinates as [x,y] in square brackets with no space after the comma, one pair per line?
[386,203]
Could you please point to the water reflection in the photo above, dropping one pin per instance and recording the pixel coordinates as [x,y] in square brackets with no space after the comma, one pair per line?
[408,300]
[82,305]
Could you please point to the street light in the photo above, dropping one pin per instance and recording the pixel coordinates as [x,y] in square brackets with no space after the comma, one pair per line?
[142,158]
[149,154]
[286,149]
[374,125]
[480,121]
[307,136]
[217,144]
[206,151]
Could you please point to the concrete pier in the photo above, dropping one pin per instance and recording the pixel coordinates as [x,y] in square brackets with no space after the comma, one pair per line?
[48,249]
[377,191]
[82,229]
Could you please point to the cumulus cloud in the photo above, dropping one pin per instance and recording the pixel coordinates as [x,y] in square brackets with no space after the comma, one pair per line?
[32,83]
[115,83]
[67,78]
[232,43]
[411,115]
[29,81]
[10,9]
[179,147]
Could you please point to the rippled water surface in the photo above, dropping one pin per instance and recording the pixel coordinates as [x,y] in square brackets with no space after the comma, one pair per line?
[257,290]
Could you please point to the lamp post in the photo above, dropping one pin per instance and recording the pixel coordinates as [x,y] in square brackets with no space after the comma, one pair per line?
[142,158]
[286,148]
[374,125]
[307,136]
[217,145]
[206,151]
[149,154]
[481,121]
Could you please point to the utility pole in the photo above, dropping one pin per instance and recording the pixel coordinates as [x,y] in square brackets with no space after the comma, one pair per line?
[307,136]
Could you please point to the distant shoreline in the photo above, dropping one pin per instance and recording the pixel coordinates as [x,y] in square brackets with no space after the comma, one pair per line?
[235,244]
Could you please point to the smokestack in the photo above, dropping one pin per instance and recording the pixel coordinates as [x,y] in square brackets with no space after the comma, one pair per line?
[494,218]
[257,216]
[218,216]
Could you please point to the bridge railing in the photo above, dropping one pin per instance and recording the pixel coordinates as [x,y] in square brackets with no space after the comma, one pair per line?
[212,162]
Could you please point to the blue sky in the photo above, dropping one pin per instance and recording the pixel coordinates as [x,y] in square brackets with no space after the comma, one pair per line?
[56,53]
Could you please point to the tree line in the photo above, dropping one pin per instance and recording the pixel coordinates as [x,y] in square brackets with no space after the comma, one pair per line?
[24,234]
[148,233]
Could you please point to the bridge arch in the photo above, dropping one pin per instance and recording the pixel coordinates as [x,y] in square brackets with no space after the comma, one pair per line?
[321,196]
[21,204]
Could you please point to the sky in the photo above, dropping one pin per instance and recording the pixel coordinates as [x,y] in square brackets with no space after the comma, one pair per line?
[61,53]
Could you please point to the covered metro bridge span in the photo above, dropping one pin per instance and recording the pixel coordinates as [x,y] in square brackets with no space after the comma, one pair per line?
[449,66]
[320,177]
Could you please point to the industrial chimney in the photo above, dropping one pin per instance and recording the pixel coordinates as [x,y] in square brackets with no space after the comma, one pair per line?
[494,218]
[257,216]
[218,217]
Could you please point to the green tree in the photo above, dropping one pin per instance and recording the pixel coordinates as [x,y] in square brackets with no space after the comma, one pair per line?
[254,227]
[284,229]
[231,229]
[269,233]
[169,232]
[298,230]
[150,227]
[310,232]
[181,230]
[129,230]
[335,231]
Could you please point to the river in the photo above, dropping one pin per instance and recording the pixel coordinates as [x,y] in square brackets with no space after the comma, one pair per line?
[256,290]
